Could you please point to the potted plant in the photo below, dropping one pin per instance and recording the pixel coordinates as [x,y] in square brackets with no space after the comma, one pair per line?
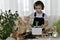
[36,30]
[7,23]
[57,26]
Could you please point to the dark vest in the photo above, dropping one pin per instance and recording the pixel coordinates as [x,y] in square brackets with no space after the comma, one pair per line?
[40,20]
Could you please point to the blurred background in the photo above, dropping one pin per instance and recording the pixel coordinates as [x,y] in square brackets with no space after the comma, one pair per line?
[25,8]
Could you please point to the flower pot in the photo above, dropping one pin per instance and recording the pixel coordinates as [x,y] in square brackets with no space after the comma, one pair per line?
[36,31]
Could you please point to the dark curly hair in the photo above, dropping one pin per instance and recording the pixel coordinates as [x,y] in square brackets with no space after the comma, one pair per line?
[39,3]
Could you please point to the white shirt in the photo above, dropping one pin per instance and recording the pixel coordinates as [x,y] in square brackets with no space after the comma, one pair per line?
[39,16]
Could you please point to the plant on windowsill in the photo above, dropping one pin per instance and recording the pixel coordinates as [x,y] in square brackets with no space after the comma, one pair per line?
[7,23]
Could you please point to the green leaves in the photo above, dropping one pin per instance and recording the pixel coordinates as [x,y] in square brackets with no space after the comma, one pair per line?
[57,24]
[6,23]
[37,23]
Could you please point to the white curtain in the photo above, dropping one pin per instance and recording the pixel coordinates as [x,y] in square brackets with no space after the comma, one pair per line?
[23,6]
[54,11]
[8,4]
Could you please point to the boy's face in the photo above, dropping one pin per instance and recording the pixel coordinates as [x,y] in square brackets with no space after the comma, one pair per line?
[38,8]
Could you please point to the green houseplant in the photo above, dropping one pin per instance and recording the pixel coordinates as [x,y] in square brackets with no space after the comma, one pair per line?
[57,24]
[6,23]
[36,24]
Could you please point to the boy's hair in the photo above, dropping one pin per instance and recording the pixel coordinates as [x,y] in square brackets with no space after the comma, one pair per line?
[39,3]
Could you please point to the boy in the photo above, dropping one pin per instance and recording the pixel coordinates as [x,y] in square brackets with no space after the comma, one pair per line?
[39,15]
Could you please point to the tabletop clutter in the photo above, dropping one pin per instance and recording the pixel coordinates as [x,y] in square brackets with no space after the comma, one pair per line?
[33,32]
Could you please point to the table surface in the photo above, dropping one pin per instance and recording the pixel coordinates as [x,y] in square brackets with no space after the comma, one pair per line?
[45,39]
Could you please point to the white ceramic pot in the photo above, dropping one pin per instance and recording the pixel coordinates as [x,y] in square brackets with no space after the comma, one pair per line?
[36,31]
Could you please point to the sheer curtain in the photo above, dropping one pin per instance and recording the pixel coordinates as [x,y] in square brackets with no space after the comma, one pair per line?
[25,7]
[55,11]
[9,4]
